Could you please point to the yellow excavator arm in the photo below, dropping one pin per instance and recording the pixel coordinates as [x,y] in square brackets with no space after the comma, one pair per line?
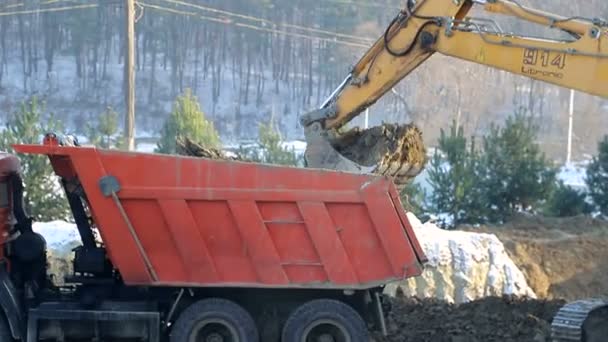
[425,27]
[430,26]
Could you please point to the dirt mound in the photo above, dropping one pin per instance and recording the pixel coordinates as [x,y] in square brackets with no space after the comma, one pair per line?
[368,146]
[394,150]
[561,258]
[187,147]
[489,319]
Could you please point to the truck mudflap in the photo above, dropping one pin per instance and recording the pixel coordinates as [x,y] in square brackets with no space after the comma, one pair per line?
[10,304]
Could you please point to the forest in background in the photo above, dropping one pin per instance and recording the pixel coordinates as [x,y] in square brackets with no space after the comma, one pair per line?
[253,61]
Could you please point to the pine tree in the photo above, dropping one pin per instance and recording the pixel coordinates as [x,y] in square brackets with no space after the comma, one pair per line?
[452,176]
[412,198]
[187,121]
[514,172]
[103,132]
[270,150]
[45,200]
[597,177]
[567,201]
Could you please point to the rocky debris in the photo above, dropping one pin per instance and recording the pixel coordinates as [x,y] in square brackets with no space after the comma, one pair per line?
[187,147]
[502,319]
[394,150]
[462,267]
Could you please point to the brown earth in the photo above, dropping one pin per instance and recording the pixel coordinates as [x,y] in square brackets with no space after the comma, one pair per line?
[561,258]
[394,150]
[188,147]
[490,319]
[368,146]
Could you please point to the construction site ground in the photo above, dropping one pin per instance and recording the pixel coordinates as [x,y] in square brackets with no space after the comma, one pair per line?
[562,259]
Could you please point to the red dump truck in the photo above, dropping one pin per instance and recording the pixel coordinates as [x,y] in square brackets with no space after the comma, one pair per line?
[189,249]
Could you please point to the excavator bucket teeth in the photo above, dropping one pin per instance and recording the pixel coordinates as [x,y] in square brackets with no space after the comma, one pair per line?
[395,151]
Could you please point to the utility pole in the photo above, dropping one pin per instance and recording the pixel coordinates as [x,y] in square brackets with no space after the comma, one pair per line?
[570,127]
[130,76]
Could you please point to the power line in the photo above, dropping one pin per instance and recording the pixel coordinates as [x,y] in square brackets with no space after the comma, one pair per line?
[362,44]
[47,2]
[265,21]
[363,4]
[19,4]
[47,10]
[253,27]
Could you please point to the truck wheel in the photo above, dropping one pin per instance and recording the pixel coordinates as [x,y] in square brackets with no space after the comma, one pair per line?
[5,330]
[214,320]
[325,320]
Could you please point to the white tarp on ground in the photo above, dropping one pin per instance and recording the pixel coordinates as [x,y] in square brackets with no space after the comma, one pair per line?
[462,266]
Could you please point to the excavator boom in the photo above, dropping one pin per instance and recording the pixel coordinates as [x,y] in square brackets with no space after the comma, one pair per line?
[425,27]
[430,26]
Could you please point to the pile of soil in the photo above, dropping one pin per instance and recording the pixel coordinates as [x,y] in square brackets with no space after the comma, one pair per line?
[394,150]
[489,319]
[560,257]
[187,147]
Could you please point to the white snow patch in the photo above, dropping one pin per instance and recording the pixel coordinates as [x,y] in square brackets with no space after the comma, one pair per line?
[574,174]
[60,236]
[462,266]
[146,147]
[297,146]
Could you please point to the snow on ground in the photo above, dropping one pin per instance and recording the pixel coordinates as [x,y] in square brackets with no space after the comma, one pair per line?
[146,147]
[573,174]
[297,146]
[64,92]
[59,235]
[462,267]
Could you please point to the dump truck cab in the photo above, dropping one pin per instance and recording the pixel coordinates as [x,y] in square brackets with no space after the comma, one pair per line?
[9,172]
[23,261]
[177,248]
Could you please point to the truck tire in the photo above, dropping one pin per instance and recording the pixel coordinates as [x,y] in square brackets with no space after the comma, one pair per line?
[325,320]
[5,330]
[214,320]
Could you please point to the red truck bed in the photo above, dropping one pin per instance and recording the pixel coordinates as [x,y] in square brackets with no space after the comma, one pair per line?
[172,221]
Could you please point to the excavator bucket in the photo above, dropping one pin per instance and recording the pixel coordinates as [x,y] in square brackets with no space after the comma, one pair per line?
[396,151]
